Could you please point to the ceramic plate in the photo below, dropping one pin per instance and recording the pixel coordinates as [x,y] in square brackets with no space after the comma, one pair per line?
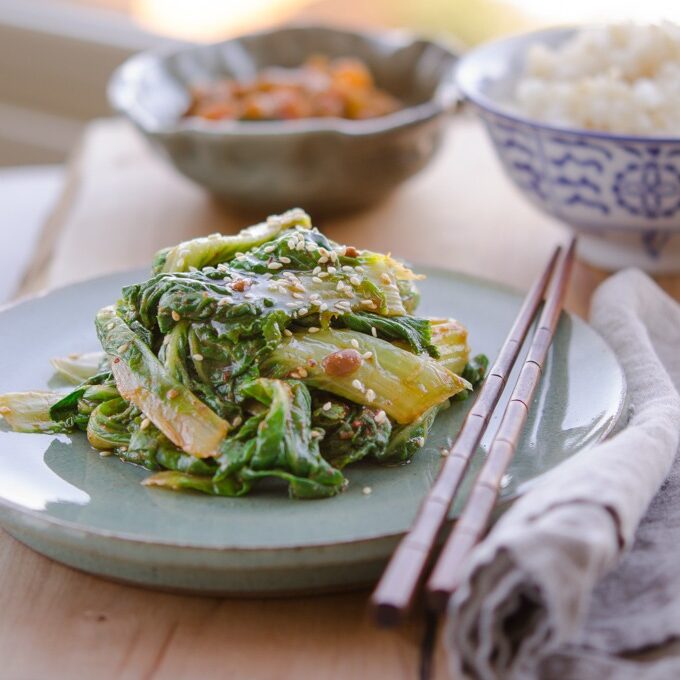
[61,498]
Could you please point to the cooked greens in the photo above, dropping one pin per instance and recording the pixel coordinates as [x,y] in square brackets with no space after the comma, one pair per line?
[275,353]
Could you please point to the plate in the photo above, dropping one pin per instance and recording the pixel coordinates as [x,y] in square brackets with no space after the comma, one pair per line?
[58,496]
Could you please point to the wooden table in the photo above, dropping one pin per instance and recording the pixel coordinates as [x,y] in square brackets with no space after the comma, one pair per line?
[120,205]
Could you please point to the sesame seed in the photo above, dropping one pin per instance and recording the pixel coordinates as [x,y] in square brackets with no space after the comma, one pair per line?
[291,304]
[374,333]
[110,326]
[332,270]
[316,434]
[313,329]
[105,454]
[443,451]
[273,287]
[334,256]
[323,275]
[172,393]
[274,265]
[323,259]
[298,296]
[302,371]
[144,424]
[175,316]
[323,307]
[197,357]
[123,348]
[355,280]
[367,491]
[316,279]
[303,311]
[354,342]
[340,286]
[323,251]
[240,257]
[359,268]
[326,406]
[420,441]
[237,421]
[347,268]
[385,278]
[370,395]
[300,245]
[311,247]
[316,270]
[367,355]
[284,259]
[291,243]
[358,385]
[380,417]
[287,333]
[269,249]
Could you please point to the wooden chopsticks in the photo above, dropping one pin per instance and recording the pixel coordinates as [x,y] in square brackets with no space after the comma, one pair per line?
[396,590]
[472,522]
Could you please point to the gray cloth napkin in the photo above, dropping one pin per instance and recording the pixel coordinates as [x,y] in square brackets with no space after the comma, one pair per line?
[572,576]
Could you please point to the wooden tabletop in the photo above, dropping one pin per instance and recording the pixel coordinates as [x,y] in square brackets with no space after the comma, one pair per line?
[120,205]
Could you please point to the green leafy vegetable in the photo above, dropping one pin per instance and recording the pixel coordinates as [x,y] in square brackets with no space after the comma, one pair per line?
[273,354]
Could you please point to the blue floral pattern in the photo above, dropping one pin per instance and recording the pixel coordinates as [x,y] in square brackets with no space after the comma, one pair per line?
[597,186]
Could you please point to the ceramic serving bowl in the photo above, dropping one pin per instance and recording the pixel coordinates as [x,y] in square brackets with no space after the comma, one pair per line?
[620,193]
[323,164]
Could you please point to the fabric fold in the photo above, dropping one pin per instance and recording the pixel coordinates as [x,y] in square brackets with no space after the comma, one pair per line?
[529,585]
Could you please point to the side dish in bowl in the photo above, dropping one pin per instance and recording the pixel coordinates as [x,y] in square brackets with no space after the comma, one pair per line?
[586,122]
[260,140]
[272,354]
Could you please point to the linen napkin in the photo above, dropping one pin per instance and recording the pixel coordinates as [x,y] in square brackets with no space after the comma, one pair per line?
[536,601]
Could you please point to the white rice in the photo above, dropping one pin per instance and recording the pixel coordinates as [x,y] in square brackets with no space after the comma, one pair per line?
[623,78]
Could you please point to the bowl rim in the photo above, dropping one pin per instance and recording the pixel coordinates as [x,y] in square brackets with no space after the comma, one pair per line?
[445,97]
[469,88]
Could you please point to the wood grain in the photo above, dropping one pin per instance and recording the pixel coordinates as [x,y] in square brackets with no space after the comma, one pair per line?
[121,205]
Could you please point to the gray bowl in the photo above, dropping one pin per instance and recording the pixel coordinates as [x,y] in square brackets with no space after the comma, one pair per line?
[322,164]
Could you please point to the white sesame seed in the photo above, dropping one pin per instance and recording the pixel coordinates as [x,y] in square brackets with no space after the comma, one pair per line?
[269,249]
[323,307]
[110,326]
[287,333]
[237,421]
[354,342]
[291,304]
[358,385]
[123,348]
[284,259]
[443,451]
[332,270]
[302,371]
[347,268]
[197,357]
[175,316]
[291,243]
[240,257]
[367,491]
[316,270]
[311,247]
[300,245]
[334,256]
[316,279]
[323,275]
[380,417]
[374,333]
[367,355]
[316,434]
[385,278]
[323,251]
[274,265]
[105,454]
[303,311]
[298,296]
[144,424]
[420,441]
[313,329]
[359,268]
[340,286]
[355,280]
[327,406]
[323,259]
[370,395]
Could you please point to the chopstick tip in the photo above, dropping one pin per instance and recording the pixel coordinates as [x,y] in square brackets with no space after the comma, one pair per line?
[386,615]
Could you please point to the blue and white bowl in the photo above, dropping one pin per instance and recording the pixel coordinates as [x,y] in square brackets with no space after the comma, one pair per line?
[620,193]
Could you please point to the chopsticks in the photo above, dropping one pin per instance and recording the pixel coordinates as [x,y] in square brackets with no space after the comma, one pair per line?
[472,522]
[397,588]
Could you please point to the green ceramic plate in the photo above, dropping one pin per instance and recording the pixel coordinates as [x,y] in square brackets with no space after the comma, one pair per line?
[60,497]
